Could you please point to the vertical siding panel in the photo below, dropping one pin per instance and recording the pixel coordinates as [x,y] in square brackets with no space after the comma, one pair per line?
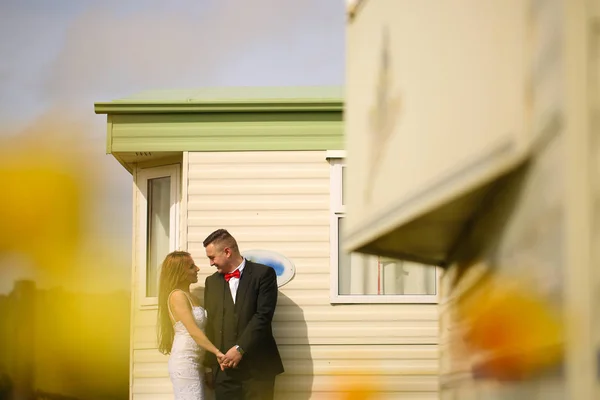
[134,291]
[183,215]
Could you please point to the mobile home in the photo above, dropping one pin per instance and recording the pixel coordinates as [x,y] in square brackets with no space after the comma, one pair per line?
[472,138]
[268,164]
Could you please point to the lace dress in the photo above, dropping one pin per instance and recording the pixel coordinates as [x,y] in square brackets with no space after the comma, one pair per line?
[185,361]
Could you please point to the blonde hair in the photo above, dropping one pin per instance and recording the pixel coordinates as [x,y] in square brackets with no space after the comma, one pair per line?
[172,274]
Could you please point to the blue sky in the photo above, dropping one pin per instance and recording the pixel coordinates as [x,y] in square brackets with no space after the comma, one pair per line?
[58,57]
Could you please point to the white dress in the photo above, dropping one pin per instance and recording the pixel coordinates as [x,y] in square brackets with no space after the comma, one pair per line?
[185,361]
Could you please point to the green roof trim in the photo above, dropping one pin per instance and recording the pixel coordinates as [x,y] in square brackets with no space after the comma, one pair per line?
[226,119]
[228,99]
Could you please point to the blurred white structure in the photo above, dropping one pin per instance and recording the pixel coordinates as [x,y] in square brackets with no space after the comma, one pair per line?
[473,144]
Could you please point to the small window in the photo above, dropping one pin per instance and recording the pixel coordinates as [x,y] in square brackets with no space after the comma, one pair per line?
[158,213]
[158,241]
[361,278]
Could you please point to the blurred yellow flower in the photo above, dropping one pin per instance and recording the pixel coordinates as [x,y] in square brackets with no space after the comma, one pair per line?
[40,210]
[359,393]
[515,331]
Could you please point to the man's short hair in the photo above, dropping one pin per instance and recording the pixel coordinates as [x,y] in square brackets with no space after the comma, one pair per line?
[221,239]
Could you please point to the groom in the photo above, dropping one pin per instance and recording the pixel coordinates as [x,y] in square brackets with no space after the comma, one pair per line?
[240,300]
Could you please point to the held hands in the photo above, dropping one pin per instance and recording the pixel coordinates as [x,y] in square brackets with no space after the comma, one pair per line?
[220,357]
[229,360]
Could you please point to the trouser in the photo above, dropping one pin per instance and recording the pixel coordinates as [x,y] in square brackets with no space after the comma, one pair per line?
[232,384]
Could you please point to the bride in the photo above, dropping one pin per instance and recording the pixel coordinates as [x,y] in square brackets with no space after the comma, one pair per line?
[181,323]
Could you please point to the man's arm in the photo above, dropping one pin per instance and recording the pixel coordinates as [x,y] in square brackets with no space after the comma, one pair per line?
[265,308]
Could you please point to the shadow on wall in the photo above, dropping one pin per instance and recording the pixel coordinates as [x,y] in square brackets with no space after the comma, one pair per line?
[291,334]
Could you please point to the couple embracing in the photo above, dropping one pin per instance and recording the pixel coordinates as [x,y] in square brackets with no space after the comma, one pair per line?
[228,344]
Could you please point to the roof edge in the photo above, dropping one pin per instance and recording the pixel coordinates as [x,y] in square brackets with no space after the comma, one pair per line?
[222,106]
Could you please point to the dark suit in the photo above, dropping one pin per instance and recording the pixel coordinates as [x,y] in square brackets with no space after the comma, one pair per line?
[246,323]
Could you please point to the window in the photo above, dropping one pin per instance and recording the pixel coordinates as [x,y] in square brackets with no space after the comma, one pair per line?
[360,278]
[158,191]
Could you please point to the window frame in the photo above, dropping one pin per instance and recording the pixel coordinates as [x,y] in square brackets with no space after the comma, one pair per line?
[143,176]
[337,210]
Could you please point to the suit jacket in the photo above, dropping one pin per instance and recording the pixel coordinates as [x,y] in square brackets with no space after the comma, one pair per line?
[256,299]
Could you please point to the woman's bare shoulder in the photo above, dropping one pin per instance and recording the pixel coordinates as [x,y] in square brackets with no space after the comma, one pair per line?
[178,297]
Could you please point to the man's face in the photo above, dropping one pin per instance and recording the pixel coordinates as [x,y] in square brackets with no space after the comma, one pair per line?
[219,258]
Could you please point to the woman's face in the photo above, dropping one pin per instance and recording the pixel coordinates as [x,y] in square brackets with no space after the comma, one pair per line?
[192,271]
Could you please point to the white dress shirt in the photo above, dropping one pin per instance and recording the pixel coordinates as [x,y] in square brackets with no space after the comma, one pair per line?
[235,282]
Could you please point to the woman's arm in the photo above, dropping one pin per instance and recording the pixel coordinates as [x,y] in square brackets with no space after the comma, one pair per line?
[182,311]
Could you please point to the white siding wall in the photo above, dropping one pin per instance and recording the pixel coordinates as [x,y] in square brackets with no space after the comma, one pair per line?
[280,201]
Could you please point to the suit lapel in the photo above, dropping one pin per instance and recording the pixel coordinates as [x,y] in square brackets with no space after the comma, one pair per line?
[244,284]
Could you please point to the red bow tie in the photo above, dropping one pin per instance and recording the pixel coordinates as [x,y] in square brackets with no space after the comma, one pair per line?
[234,274]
